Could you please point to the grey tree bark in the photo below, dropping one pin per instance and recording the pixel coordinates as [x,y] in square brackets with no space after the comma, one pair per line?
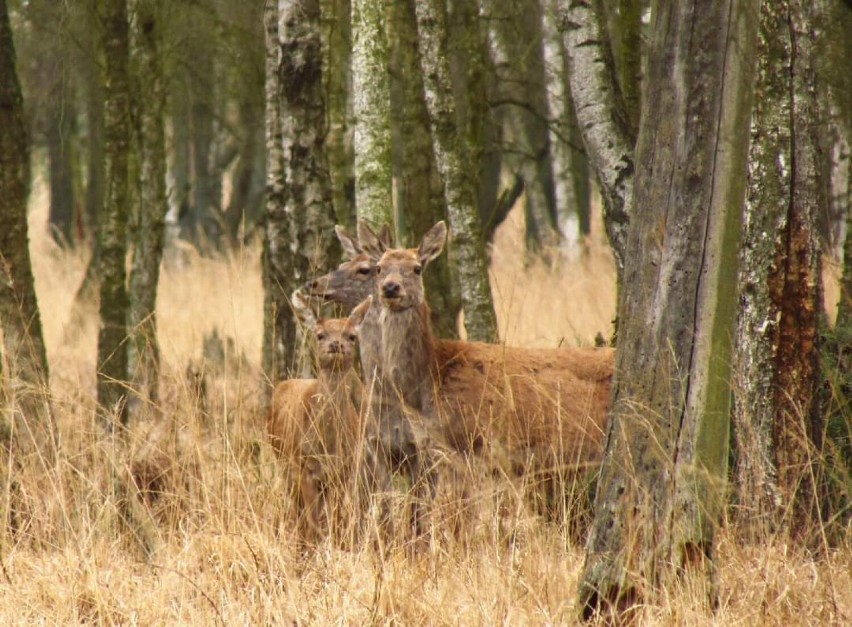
[467,248]
[371,112]
[23,345]
[149,227]
[300,222]
[519,61]
[112,223]
[339,142]
[602,116]
[418,189]
[777,413]
[662,486]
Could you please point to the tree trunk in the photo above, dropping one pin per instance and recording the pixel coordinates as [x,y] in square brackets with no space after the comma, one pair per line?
[339,97]
[60,135]
[418,188]
[467,249]
[624,21]
[371,110]
[149,232]
[571,168]
[519,60]
[112,224]
[20,322]
[602,116]
[662,485]
[777,417]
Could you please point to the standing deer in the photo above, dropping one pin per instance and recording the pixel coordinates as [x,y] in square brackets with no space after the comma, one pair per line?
[318,426]
[542,410]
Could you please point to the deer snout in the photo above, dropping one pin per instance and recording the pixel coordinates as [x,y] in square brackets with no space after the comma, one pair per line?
[391,289]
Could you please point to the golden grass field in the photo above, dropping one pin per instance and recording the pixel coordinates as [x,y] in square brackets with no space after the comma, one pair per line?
[217,546]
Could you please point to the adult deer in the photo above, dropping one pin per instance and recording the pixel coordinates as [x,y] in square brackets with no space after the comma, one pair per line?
[319,426]
[535,409]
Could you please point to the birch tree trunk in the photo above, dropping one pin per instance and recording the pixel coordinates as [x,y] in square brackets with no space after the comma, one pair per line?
[112,224]
[662,485]
[20,321]
[777,416]
[602,116]
[300,231]
[418,189]
[467,249]
[150,223]
[371,110]
[338,75]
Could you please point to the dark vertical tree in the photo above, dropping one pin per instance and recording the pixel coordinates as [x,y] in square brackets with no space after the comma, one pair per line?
[661,491]
[778,415]
[149,224]
[112,223]
[467,247]
[418,187]
[19,315]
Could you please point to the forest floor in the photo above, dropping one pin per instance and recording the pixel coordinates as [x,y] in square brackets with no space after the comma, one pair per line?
[214,543]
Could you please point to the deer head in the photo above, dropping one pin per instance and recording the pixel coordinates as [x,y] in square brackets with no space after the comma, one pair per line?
[399,270]
[353,280]
[334,338]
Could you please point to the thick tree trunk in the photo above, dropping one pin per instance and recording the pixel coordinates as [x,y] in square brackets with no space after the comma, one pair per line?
[418,188]
[112,224]
[467,248]
[662,484]
[777,417]
[338,75]
[371,110]
[624,20]
[19,315]
[602,116]
[149,231]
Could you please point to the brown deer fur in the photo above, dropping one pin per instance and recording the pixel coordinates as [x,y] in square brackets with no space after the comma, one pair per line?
[317,425]
[544,408]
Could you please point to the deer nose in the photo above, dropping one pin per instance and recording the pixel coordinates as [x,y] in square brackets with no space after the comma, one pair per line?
[334,347]
[391,289]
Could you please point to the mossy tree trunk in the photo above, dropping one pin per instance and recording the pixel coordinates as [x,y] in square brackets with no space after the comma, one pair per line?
[149,227]
[371,112]
[418,188]
[23,345]
[777,418]
[662,485]
[112,223]
[466,247]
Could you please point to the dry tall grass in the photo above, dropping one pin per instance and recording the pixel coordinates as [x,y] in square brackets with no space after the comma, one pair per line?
[212,541]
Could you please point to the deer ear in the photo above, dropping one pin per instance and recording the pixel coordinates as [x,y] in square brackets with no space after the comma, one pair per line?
[350,245]
[303,310]
[370,242]
[432,243]
[386,236]
[356,318]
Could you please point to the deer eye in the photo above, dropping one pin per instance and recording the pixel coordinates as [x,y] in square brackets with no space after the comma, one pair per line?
[352,337]
[320,336]
[364,271]
[418,269]
[378,270]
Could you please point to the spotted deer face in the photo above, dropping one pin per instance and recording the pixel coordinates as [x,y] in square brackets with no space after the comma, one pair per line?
[335,339]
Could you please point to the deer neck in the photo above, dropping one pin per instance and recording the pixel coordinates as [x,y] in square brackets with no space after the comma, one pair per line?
[407,350]
[370,345]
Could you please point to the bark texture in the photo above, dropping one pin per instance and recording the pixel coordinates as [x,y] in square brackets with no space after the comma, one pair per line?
[460,185]
[112,224]
[371,110]
[777,417]
[418,189]
[23,346]
[150,222]
[602,116]
[661,490]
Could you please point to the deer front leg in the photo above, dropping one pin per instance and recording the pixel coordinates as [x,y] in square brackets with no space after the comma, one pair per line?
[312,500]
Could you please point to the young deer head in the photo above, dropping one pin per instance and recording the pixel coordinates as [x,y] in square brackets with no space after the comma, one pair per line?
[398,270]
[335,338]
